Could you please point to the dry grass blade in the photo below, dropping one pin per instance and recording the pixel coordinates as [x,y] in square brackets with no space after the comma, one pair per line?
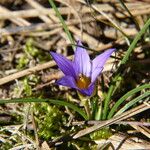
[26,72]
[124,142]
[123,116]
[38,7]
[45,146]
[64,10]
[18,21]
[142,129]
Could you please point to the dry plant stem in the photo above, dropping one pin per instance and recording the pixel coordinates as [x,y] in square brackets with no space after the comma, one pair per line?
[19,21]
[26,30]
[44,146]
[142,129]
[95,122]
[24,146]
[44,26]
[47,19]
[38,7]
[65,10]
[124,142]
[38,87]
[86,37]
[44,33]
[123,116]
[145,8]
[74,11]
[26,72]
[35,130]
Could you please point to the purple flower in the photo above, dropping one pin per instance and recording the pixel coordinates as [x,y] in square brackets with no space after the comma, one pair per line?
[81,73]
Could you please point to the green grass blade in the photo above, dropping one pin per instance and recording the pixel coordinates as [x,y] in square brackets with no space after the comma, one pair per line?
[108,97]
[136,39]
[63,22]
[132,102]
[123,61]
[133,18]
[124,97]
[96,109]
[53,101]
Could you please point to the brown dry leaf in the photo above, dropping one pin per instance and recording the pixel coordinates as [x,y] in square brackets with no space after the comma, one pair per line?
[45,146]
[124,142]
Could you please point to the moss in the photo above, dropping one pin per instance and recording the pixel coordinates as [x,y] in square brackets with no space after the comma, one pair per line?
[22,62]
[31,53]
[27,87]
[34,52]
[30,49]
[50,120]
[101,134]
[5,146]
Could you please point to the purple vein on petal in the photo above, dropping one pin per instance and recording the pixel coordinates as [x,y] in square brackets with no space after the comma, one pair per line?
[67,81]
[98,63]
[82,61]
[65,65]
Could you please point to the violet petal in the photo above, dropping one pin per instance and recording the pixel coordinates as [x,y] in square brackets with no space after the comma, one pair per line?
[67,81]
[95,74]
[82,62]
[65,65]
[98,63]
[89,91]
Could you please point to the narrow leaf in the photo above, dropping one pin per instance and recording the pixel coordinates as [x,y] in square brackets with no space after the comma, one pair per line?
[53,101]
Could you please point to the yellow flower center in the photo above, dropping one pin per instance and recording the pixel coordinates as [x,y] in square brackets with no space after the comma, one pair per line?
[83,82]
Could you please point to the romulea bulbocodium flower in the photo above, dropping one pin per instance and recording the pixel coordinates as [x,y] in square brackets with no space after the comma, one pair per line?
[81,73]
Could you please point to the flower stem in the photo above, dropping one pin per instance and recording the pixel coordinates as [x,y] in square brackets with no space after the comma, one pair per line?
[87,107]
[85,103]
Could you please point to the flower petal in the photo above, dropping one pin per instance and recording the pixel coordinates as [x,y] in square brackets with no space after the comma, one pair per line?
[82,62]
[65,65]
[95,74]
[67,81]
[98,63]
[89,91]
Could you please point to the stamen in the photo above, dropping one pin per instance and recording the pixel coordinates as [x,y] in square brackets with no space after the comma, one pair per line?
[83,82]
